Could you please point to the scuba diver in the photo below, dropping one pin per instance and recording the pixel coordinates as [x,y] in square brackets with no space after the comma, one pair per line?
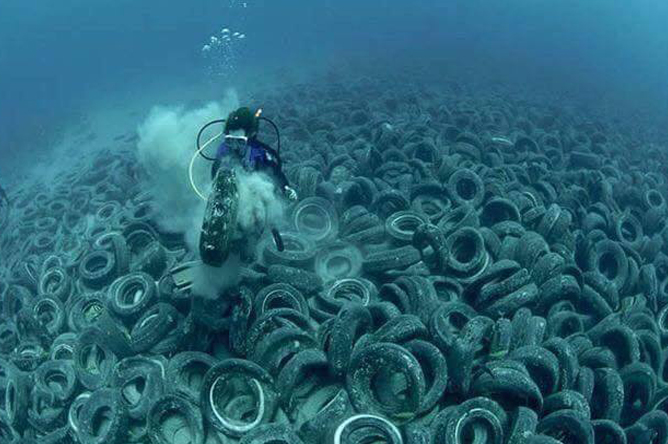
[240,150]
[241,144]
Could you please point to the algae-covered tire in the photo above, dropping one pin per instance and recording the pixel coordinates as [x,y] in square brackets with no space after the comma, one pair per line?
[57,379]
[7,433]
[171,409]
[104,418]
[220,218]
[9,337]
[131,295]
[93,359]
[237,397]
[386,362]
[17,399]
[185,373]
[271,434]
[481,419]
[140,382]
[97,269]
[365,428]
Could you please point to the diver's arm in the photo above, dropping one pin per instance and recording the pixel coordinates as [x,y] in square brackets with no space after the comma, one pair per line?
[275,164]
[280,176]
[282,180]
[277,167]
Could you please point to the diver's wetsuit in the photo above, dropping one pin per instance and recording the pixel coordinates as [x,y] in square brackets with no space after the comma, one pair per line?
[258,157]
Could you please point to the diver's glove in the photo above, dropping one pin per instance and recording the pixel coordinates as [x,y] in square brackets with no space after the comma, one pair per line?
[290,193]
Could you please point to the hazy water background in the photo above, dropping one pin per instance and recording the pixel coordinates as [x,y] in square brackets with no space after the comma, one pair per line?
[59,60]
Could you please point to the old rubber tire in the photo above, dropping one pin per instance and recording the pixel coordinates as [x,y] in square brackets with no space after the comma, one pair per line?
[220,218]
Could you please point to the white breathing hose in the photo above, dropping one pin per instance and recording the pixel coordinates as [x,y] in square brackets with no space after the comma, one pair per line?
[192,163]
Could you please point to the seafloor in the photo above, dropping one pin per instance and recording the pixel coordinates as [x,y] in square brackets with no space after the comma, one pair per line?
[463,266]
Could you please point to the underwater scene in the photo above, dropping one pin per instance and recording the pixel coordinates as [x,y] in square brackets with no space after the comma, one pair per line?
[333,222]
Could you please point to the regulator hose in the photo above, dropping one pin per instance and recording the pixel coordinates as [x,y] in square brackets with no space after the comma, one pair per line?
[192,161]
[200,149]
[278,133]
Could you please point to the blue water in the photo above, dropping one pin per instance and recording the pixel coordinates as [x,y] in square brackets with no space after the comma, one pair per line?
[58,57]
